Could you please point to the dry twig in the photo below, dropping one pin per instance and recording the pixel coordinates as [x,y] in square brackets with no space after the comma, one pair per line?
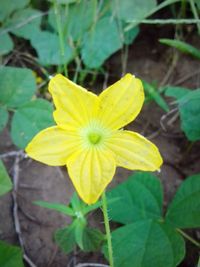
[186,77]
[15,209]
[165,116]
[170,70]
[52,257]
[19,153]
[24,22]
[105,83]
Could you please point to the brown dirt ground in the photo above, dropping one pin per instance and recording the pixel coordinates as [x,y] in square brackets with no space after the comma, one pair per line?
[149,61]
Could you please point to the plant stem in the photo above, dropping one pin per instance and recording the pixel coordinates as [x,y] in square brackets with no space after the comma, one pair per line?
[134,22]
[107,227]
[196,243]
[154,10]
[195,14]
[61,38]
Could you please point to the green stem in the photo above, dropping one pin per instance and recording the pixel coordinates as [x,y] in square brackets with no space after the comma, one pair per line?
[196,243]
[195,14]
[134,22]
[107,227]
[61,37]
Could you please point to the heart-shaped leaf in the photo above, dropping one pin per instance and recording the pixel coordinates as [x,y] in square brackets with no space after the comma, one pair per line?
[3,118]
[10,256]
[17,86]
[29,119]
[183,212]
[147,244]
[6,44]
[100,42]
[140,197]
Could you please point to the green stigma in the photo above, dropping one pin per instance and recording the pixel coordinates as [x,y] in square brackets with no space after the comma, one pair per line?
[94,138]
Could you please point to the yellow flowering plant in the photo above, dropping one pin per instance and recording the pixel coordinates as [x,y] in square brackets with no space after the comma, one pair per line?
[89,138]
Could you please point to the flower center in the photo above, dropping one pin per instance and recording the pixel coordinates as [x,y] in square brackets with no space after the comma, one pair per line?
[94,138]
[94,134]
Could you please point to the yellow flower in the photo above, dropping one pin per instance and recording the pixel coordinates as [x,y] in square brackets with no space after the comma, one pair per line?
[88,138]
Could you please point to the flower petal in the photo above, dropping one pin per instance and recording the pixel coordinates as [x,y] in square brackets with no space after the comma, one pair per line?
[53,146]
[91,171]
[74,104]
[134,152]
[121,102]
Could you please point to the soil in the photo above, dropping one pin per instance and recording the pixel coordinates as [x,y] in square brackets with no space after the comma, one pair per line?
[148,60]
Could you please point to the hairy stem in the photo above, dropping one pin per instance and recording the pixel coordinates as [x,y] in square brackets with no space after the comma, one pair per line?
[107,227]
[193,241]
[195,14]
[61,38]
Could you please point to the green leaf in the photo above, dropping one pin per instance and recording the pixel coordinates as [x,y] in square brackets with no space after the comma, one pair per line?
[176,91]
[183,212]
[153,8]
[92,207]
[140,198]
[82,209]
[79,230]
[56,206]
[68,237]
[3,118]
[8,6]
[198,262]
[78,22]
[182,46]
[198,4]
[92,239]
[10,256]
[189,109]
[147,243]
[17,86]
[47,46]
[89,208]
[64,2]
[155,95]
[177,242]
[65,238]
[74,21]
[29,119]
[133,9]
[129,36]
[88,239]
[26,30]
[77,204]
[100,42]
[6,44]
[5,182]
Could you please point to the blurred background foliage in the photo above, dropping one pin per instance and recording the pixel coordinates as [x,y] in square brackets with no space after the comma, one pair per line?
[74,37]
